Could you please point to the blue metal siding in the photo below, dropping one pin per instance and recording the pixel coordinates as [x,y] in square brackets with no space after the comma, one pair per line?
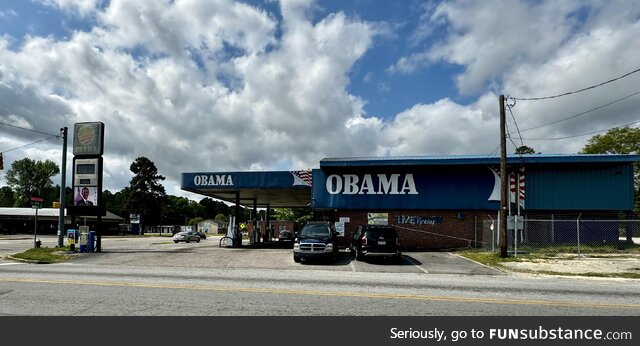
[580,188]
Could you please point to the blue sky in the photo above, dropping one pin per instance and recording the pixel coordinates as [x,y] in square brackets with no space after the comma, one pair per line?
[386,93]
[222,85]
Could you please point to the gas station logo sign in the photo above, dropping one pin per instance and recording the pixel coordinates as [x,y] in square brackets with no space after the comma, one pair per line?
[213,180]
[370,184]
[88,138]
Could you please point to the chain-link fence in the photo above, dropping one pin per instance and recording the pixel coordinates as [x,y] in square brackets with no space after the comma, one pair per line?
[574,234]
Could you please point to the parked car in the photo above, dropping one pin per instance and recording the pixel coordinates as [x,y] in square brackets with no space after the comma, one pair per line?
[201,235]
[286,235]
[375,240]
[186,236]
[317,240]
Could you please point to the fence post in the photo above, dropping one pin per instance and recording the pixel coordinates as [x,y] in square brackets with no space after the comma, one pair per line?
[475,232]
[515,236]
[553,230]
[628,228]
[578,229]
[497,234]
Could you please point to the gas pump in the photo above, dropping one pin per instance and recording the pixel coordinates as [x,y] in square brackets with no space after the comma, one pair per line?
[231,227]
[72,236]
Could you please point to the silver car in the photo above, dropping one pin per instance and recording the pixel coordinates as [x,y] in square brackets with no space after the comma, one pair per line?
[186,236]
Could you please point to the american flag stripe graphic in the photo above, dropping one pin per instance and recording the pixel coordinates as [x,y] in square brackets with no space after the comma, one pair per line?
[521,187]
[304,175]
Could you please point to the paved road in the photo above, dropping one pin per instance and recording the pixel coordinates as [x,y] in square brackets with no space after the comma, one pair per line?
[154,276]
[142,251]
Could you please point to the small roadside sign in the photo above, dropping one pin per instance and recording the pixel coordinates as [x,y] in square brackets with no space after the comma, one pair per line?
[36,202]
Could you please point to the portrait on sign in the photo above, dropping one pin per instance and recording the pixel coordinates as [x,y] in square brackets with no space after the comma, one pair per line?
[85,196]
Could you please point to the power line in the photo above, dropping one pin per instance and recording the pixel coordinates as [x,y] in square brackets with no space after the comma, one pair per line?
[577,91]
[32,143]
[509,107]
[494,151]
[583,134]
[581,113]
[26,129]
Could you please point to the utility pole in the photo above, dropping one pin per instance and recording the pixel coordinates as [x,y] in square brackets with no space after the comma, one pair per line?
[503,182]
[63,187]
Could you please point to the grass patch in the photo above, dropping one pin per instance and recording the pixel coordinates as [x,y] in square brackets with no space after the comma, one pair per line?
[493,259]
[619,248]
[489,258]
[45,255]
[589,274]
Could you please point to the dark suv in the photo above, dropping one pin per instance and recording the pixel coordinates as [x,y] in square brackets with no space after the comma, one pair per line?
[316,240]
[375,240]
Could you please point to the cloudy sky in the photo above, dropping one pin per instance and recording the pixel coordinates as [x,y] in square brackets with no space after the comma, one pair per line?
[222,85]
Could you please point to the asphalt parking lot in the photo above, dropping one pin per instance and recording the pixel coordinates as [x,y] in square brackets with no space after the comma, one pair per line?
[155,251]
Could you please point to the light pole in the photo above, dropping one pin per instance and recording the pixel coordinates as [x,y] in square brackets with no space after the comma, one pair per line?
[63,187]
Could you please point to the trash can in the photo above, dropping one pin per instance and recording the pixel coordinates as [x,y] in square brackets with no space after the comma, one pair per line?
[92,239]
[82,242]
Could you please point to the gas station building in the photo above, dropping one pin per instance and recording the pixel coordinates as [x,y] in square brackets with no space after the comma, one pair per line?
[435,202]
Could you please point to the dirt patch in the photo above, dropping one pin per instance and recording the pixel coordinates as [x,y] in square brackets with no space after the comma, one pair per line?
[576,265]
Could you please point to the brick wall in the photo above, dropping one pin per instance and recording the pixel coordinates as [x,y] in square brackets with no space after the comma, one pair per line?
[275,225]
[424,229]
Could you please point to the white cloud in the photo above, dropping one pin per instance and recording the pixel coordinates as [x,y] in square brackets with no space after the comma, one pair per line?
[527,49]
[190,106]
[409,64]
[441,128]
[8,14]
[196,85]
[80,7]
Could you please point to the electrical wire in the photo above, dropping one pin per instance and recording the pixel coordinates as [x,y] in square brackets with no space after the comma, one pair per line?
[494,151]
[28,144]
[583,134]
[26,129]
[509,107]
[582,113]
[576,91]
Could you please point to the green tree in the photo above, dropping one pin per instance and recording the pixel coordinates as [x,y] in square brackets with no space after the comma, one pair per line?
[524,150]
[50,195]
[299,215]
[6,197]
[213,208]
[115,202]
[29,178]
[195,221]
[145,194]
[196,209]
[618,140]
[221,217]
[283,213]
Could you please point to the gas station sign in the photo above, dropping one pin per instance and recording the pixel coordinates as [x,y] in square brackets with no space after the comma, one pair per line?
[88,139]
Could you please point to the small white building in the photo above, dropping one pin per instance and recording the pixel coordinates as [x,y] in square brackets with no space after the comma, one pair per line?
[211,226]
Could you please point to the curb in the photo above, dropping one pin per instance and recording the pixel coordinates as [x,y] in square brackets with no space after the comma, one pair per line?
[26,260]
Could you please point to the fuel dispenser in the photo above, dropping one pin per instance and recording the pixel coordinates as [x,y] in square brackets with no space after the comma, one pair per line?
[72,239]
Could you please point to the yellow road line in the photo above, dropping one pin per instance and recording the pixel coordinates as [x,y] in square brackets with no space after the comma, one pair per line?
[334,293]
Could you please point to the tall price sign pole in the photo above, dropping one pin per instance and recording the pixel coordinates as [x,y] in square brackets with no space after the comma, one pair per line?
[63,187]
[88,147]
